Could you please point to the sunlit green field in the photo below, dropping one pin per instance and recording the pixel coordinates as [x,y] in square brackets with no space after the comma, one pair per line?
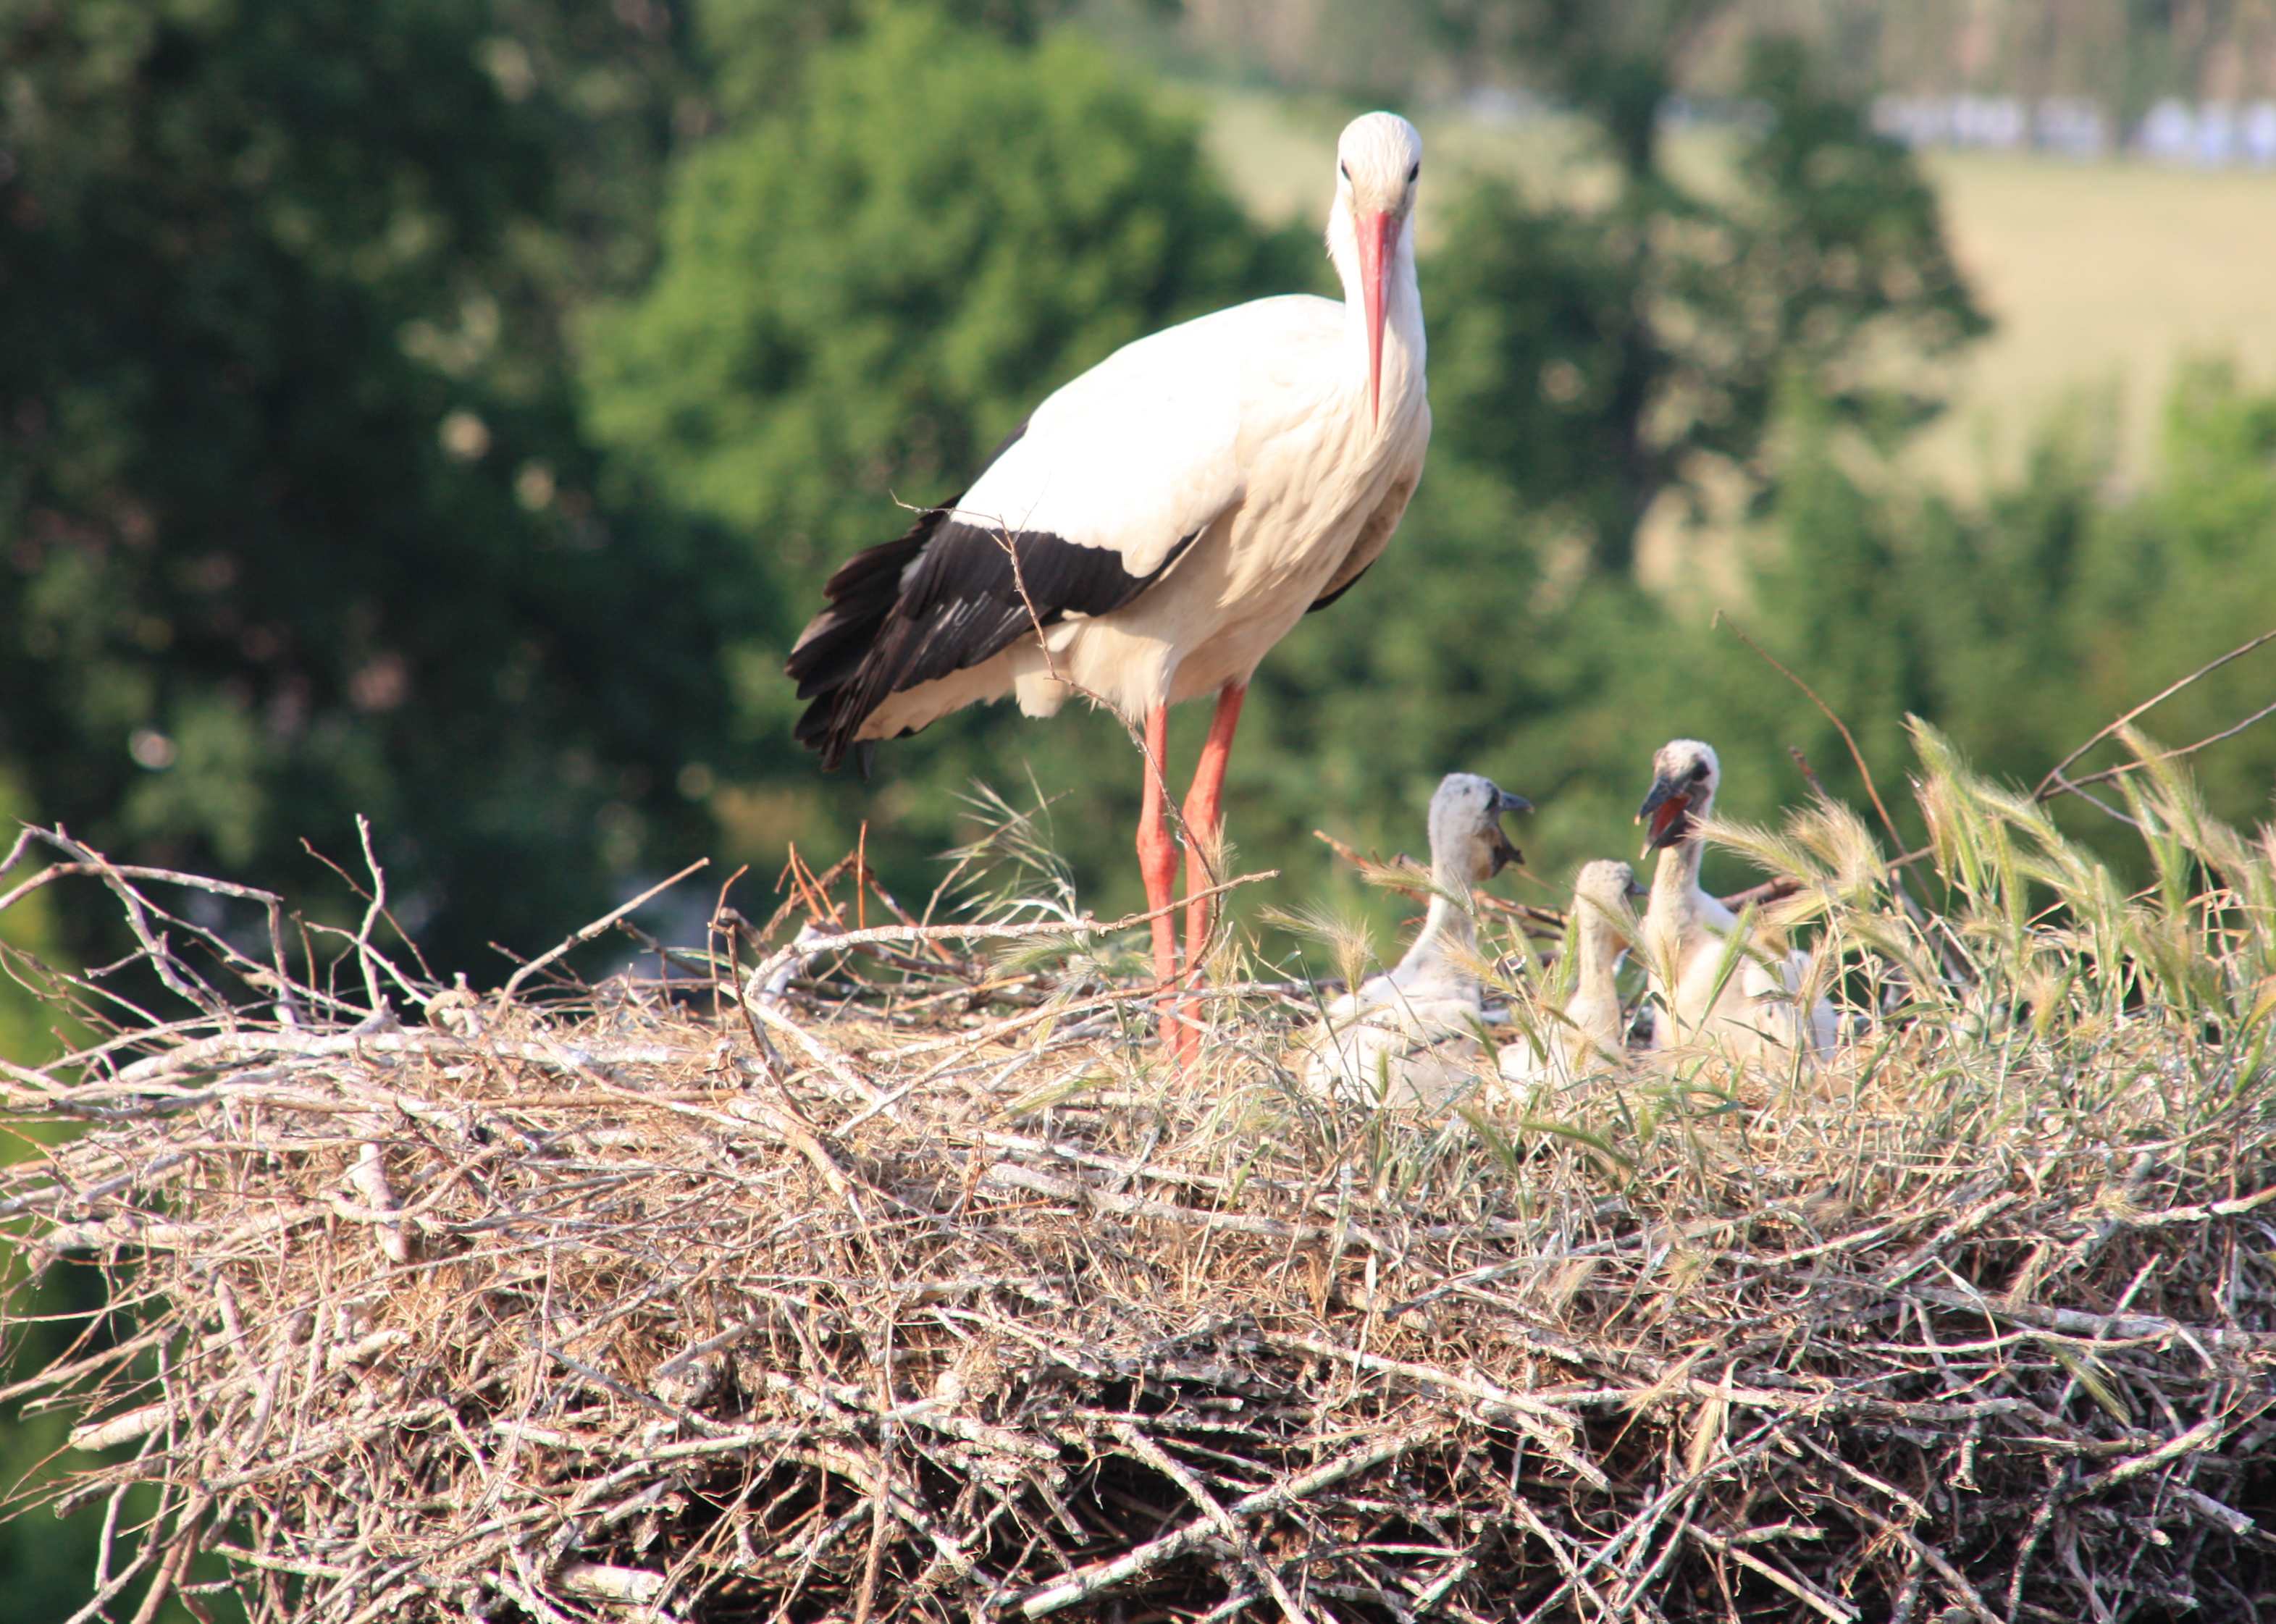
[2101,276]
[2101,273]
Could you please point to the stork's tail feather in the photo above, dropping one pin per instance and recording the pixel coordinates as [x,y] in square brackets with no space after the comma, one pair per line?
[827,660]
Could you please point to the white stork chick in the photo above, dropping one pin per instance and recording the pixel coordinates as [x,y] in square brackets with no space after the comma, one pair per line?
[1156,525]
[1754,1011]
[1592,1036]
[1409,1036]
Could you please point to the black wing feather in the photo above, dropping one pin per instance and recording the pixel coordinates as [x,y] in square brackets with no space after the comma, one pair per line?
[1322,603]
[938,600]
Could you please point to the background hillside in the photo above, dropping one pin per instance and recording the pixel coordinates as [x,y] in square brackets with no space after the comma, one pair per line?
[447,412]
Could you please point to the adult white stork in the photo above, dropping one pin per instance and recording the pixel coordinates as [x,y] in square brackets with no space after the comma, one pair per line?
[1156,525]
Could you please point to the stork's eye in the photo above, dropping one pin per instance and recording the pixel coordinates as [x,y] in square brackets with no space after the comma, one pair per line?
[1699,772]
[1415,173]
[1345,169]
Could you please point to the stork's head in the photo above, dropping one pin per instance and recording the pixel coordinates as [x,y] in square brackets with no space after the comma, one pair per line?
[1378,169]
[1466,838]
[1684,775]
[1605,895]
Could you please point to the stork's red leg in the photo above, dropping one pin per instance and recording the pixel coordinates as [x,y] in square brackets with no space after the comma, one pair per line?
[1204,813]
[1157,862]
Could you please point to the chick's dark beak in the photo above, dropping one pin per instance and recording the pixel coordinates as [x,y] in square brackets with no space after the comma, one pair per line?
[1668,807]
[1504,850]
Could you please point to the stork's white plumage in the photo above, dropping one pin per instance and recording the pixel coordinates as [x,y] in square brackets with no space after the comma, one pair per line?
[1705,984]
[1409,1036]
[1159,523]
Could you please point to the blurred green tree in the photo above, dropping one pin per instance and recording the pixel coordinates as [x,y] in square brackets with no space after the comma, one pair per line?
[296,521]
[2160,583]
[755,52]
[1616,62]
[2024,622]
[1600,355]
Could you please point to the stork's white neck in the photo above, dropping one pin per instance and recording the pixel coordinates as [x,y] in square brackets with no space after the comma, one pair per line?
[1596,951]
[1449,929]
[1675,883]
[1594,1007]
[1403,348]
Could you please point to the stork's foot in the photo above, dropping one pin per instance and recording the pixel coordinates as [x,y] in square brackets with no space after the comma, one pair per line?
[1185,1033]
[1171,1025]
[1177,1037]
[1187,1027]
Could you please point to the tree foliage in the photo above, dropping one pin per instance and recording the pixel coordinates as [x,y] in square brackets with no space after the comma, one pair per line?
[862,293]
[295,519]
[1616,61]
[1599,356]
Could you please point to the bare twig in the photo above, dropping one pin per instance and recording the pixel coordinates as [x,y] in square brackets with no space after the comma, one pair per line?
[2055,773]
[1857,755]
[598,927]
[1088,1582]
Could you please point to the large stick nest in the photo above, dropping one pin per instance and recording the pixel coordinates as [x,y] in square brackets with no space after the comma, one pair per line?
[908,1285]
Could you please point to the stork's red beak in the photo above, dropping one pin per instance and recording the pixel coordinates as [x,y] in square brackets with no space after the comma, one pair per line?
[1669,808]
[1377,232]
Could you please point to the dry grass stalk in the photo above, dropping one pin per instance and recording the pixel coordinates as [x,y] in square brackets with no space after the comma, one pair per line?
[575,1305]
